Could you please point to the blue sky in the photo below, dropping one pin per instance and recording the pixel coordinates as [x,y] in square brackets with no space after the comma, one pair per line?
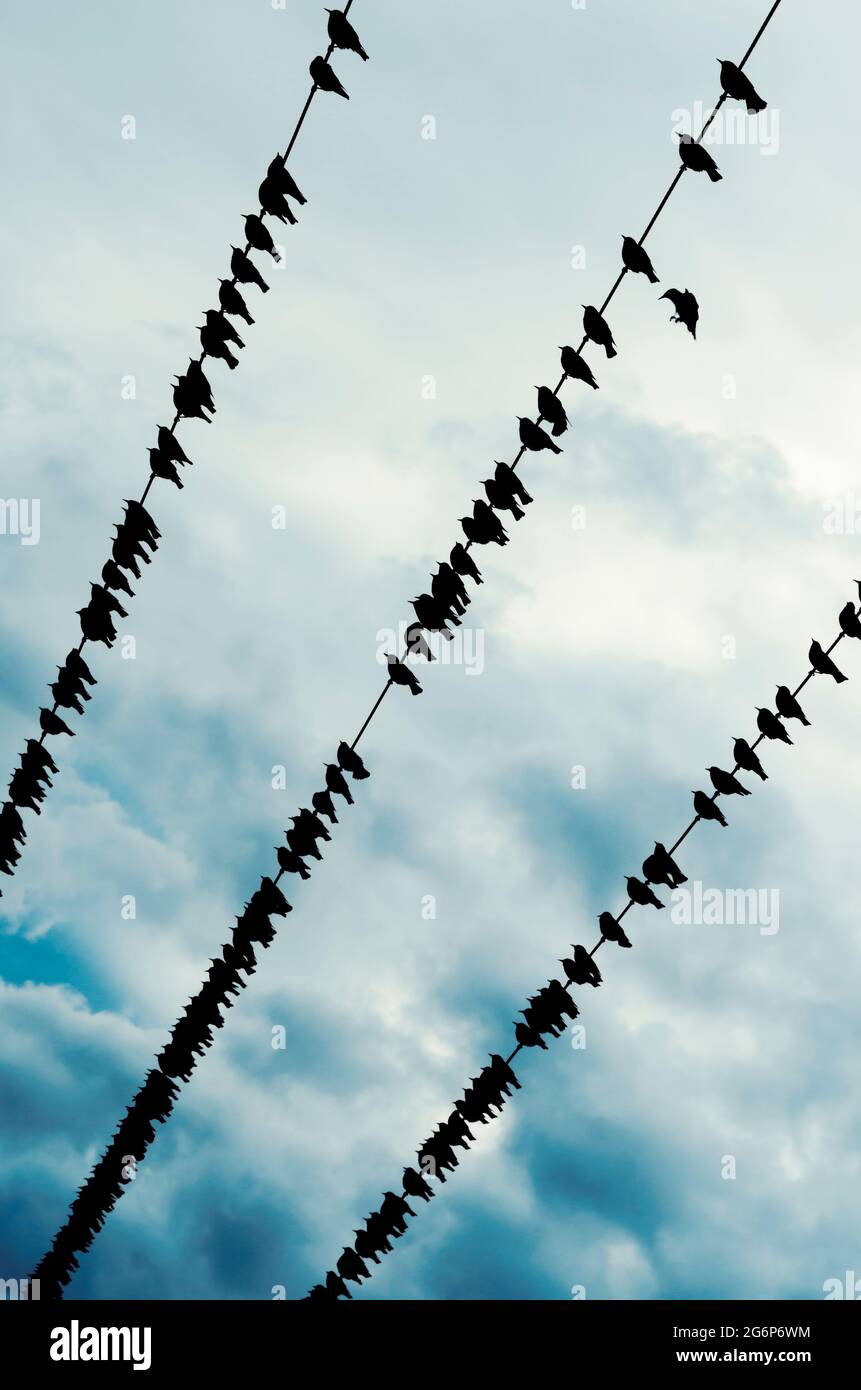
[706,472]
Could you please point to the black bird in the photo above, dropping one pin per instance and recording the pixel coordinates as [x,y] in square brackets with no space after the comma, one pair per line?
[415,1185]
[350,1266]
[463,563]
[822,663]
[416,643]
[636,258]
[51,723]
[323,804]
[66,695]
[788,706]
[582,970]
[448,587]
[138,519]
[325,78]
[597,329]
[163,468]
[283,179]
[215,346]
[769,725]
[220,325]
[482,528]
[350,761]
[245,270]
[575,366]
[706,808]
[501,498]
[336,782]
[686,307]
[114,578]
[187,402]
[529,1037]
[611,930]
[738,85]
[552,409]
[642,894]
[746,758]
[291,863]
[400,674]
[726,783]
[533,437]
[661,867]
[507,478]
[169,445]
[232,302]
[342,33]
[850,623]
[431,614]
[96,625]
[274,201]
[77,665]
[697,158]
[257,235]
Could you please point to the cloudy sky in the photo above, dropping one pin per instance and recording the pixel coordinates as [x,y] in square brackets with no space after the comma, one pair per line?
[424,293]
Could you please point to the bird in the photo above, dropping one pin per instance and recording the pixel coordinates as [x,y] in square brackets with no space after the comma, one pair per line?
[507,478]
[642,894]
[77,665]
[611,930]
[114,578]
[575,366]
[283,179]
[462,562]
[187,402]
[415,1185]
[342,33]
[746,758]
[850,623]
[661,867]
[769,725]
[291,863]
[501,498]
[697,158]
[232,302]
[482,528]
[582,970]
[399,674]
[322,803]
[215,346]
[552,409]
[245,270]
[788,706]
[220,325]
[822,663]
[635,258]
[325,78]
[597,329]
[706,808]
[686,307]
[528,1037]
[726,783]
[257,235]
[169,445]
[738,85]
[51,723]
[533,437]
[273,200]
[336,782]
[430,613]
[350,761]
[163,468]
[416,643]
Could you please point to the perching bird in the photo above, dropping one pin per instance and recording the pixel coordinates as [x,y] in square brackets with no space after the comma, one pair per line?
[169,445]
[400,674]
[416,643]
[636,258]
[822,663]
[707,810]
[746,758]
[642,894]
[447,585]
[611,930]
[552,409]
[77,665]
[342,33]
[507,478]
[215,346]
[575,366]
[114,578]
[661,867]
[738,85]
[163,468]
[51,723]
[138,519]
[686,307]
[482,528]
[431,614]
[220,325]
[337,782]
[323,804]
[291,863]
[257,235]
[726,782]
[597,329]
[187,402]
[415,1185]
[245,270]
[697,158]
[325,78]
[788,706]
[501,498]
[533,437]
[582,970]
[232,302]
[850,623]
[350,761]
[769,725]
[461,561]
[283,179]
[528,1037]
[273,200]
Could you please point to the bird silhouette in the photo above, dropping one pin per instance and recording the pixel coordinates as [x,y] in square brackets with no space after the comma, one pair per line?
[707,810]
[257,235]
[482,528]
[747,759]
[163,468]
[215,346]
[576,367]
[769,725]
[550,406]
[336,782]
[75,662]
[528,1037]
[343,35]
[273,201]
[597,329]
[350,1266]
[169,445]
[822,663]
[661,867]
[850,623]
[232,302]
[738,85]
[416,643]
[581,969]
[51,723]
[138,520]
[400,674]
[323,804]
[533,437]
[325,78]
[114,578]
[697,158]
[245,271]
[350,761]
[611,930]
[283,179]
[507,478]
[448,587]
[686,307]
[642,894]
[415,1185]
[635,258]
[430,612]
[502,499]
[788,706]
[461,561]
[726,782]
[291,863]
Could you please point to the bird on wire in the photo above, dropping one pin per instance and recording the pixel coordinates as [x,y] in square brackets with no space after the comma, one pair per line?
[532,437]
[822,663]
[552,410]
[850,623]
[770,726]
[788,706]
[325,78]
[245,271]
[636,259]
[738,85]
[661,867]
[576,367]
[343,35]
[611,930]
[257,235]
[597,329]
[350,761]
[642,894]
[747,759]
[697,158]
[232,302]
[707,810]
[399,674]
[726,782]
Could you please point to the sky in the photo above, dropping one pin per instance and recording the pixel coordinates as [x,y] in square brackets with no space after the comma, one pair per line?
[697,530]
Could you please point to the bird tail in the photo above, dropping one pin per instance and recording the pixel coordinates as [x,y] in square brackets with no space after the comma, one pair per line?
[715,175]
[623,940]
[611,351]
[554,447]
[362,54]
[559,428]
[839,676]
[516,512]
[755,105]
[763,775]
[653,278]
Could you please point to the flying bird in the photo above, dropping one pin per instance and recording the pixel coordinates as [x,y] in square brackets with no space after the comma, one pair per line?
[245,270]
[707,810]
[769,725]
[686,307]
[533,437]
[399,674]
[697,158]
[726,783]
[342,33]
[822,663]
[325,78]
[635,258]
[552,409]
[577,367]
[747,759]
[597,329]
[788,706]
[642,894]
[738,85]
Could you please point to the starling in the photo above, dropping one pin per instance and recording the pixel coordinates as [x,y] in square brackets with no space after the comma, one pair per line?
[597,329]
[738,85]
[635,258]
[575,366]
[686,307]
[697,158]
[822,663]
